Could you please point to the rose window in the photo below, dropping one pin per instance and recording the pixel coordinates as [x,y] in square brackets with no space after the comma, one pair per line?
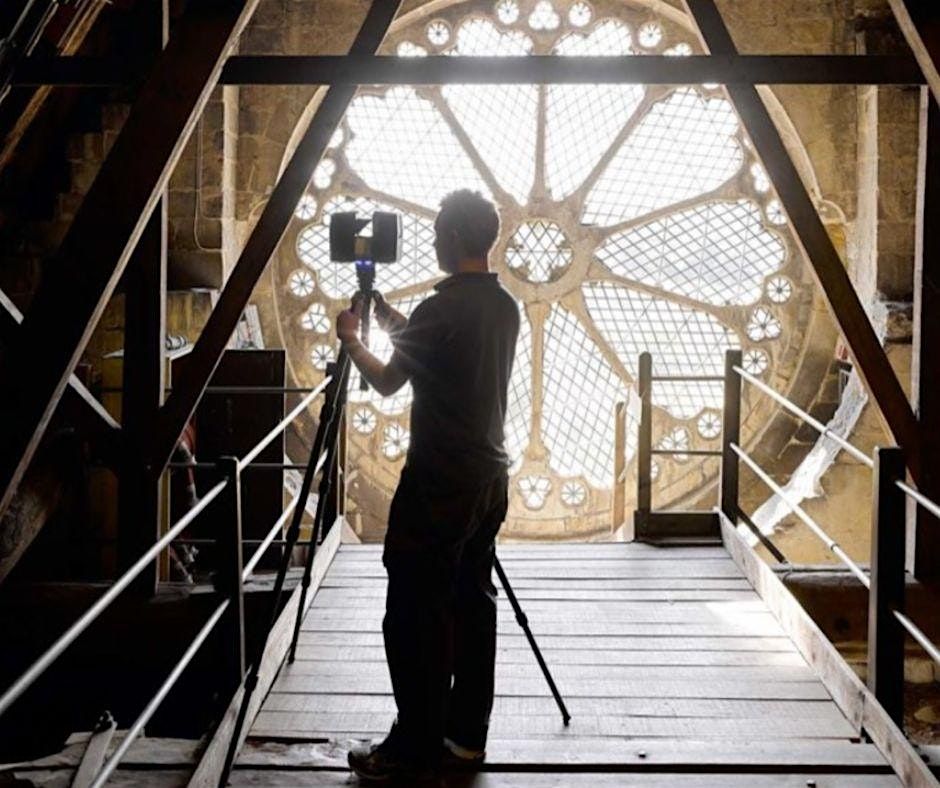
[634,218]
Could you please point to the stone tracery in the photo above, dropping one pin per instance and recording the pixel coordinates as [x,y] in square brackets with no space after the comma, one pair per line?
[633,219]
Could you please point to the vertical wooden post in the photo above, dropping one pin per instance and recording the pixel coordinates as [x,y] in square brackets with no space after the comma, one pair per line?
[925,371]
[619,507]
[885,634]
[644,456]
[143,373]
[228,581]
[143,384]
[731,434]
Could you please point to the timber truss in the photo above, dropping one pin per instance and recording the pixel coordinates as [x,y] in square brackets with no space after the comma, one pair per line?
[121,217]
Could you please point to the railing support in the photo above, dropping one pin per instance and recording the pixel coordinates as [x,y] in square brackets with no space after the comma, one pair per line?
[228,579]
[885,634]
[644,450]
[731,435]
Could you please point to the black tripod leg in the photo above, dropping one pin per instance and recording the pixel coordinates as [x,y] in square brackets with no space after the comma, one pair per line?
[293,534]
[524,623]
[331,441]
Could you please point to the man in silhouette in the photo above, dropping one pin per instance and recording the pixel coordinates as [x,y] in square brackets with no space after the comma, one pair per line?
[457,351]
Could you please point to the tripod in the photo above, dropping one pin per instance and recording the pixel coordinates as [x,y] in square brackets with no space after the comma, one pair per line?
[324,463]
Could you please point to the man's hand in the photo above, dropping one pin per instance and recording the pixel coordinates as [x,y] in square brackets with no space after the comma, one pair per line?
[389,319]
[347,323]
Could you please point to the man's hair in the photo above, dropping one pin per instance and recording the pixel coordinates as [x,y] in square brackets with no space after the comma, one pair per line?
[473,218]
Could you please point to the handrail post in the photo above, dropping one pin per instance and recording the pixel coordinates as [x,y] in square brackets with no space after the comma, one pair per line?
[731,434]
[644,451]
[228,581]
[885,634]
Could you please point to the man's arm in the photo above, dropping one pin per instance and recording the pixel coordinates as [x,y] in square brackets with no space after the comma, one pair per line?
[386,379]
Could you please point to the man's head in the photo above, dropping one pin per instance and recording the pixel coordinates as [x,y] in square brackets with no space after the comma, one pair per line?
[465,229]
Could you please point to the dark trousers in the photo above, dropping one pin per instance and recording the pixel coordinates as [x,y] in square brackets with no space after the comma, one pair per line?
[440,613]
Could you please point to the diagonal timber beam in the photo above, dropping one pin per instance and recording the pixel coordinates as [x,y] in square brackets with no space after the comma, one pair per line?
[919,21]
[81,279]
[261,244]
[867,351]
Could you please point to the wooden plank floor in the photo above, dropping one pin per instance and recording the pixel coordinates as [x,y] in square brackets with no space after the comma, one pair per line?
[670,663]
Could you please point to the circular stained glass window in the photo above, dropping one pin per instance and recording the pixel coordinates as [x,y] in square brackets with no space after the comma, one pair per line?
[634,218]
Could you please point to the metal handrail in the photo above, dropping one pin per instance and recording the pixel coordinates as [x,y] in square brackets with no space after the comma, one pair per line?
[857,453]
[137,728]
[266,542]
[817,425]
[687,452]
[922,499]
[269,539]
[918,634]
[226,390]
[687,379]
[801,513]
[267,439]
[912,629]
[91,615]
[255,466]
[28,678]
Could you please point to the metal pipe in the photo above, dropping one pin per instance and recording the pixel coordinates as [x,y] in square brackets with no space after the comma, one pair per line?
[263,466]
[799,512]
[266,441]
[89,617]
[228,390]
[147,713]
[688,379]
[266,542]
[690,452]
[922,499]
[817,425]
[917,633]
[265,389]
[198,542]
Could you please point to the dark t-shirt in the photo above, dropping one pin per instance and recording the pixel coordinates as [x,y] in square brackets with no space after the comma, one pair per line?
[457,350]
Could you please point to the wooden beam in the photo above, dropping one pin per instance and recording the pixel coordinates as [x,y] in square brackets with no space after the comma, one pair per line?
[97,246]
[552,69]
[846,688]
[811,234]
[541,69]
[143,386]
[212,759]
[143,371]
[919,21]
[925,372]
[261,244]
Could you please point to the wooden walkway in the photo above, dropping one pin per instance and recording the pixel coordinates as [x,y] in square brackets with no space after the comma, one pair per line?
[673,668]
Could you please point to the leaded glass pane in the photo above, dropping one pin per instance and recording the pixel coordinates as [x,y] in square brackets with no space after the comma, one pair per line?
[683,148]
[718,253]
[581,392]
[401,145]
[681,340]
[571,151]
